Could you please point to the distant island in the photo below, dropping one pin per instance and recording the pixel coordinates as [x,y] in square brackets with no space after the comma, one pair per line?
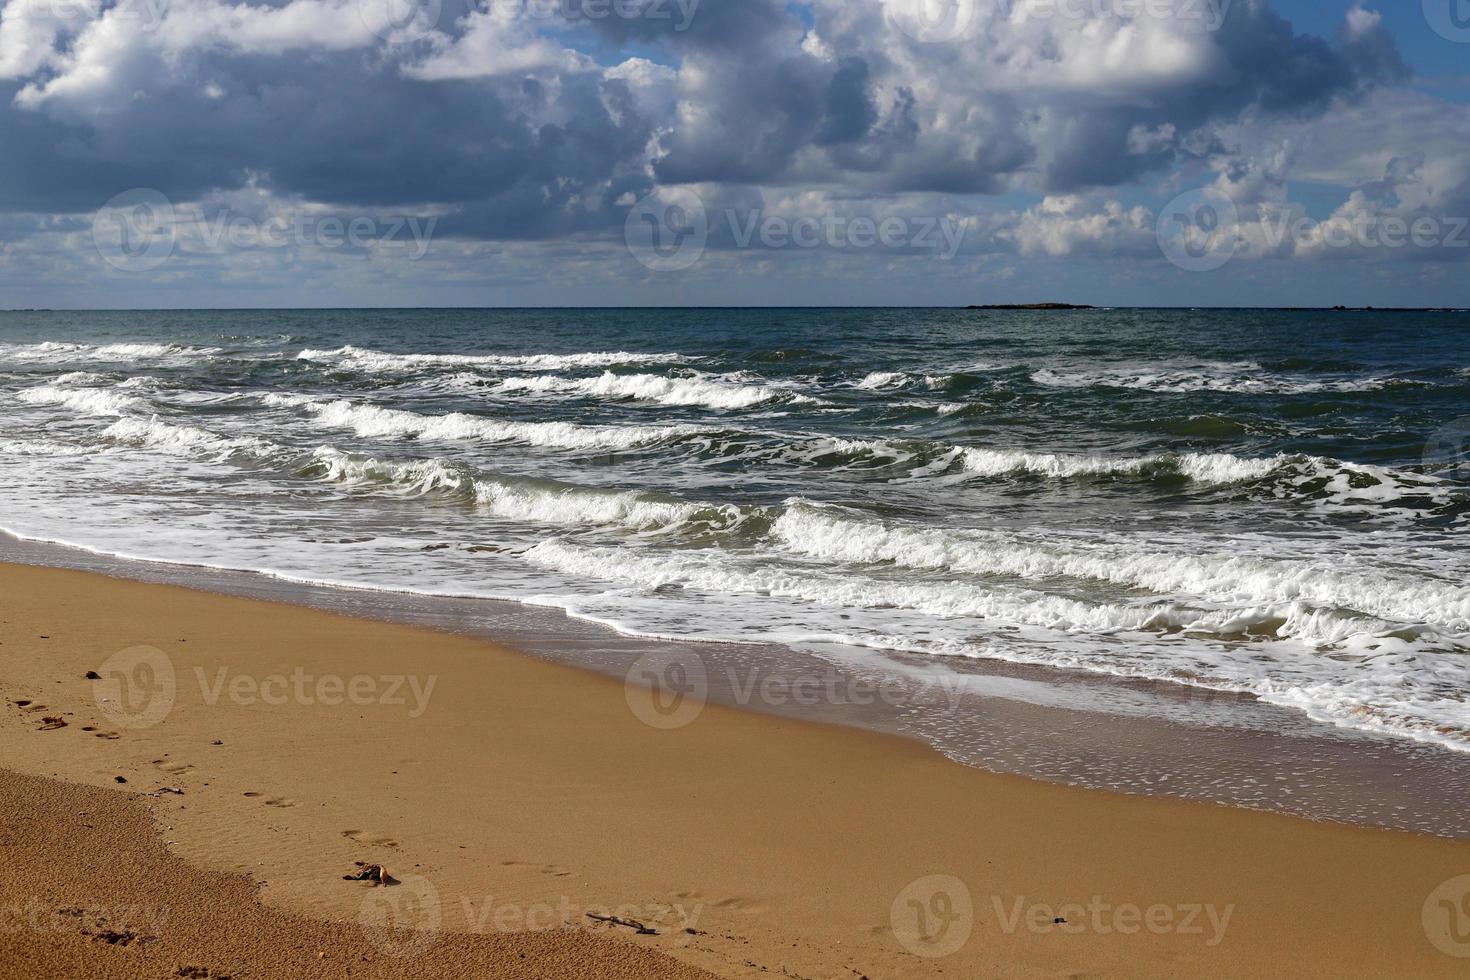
[1033,306]
[1394,309]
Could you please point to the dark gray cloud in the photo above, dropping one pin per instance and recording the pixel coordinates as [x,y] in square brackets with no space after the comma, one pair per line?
[517,137]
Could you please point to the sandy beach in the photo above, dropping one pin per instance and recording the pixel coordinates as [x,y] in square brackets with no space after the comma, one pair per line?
[192,811]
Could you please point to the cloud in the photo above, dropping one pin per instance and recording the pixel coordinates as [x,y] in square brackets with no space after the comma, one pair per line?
[508,125]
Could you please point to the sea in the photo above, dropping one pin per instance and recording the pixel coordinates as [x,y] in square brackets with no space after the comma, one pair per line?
[1268,505]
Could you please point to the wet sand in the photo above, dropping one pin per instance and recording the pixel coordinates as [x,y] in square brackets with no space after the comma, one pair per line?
[511,797]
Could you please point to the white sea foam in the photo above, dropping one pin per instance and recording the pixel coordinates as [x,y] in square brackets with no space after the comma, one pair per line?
[56,352]
[883,379]
[82,401]
[1200,467]
[830,533]
[155,434]
[1242,378]
[657,388]
[715,570]
[33,447]
[525,500]
[1387,685]
[363,359]
[372,421]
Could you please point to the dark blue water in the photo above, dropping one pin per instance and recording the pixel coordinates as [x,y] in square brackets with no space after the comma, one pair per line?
[1266,502]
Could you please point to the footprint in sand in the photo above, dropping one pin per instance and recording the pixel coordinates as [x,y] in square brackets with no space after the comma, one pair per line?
[280,801]
[553,870]
[370,838]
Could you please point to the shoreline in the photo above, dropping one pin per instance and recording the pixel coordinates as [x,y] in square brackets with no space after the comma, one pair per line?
[526,793]
[1073,728]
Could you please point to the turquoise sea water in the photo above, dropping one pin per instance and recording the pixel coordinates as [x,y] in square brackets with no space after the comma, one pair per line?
[1267,502]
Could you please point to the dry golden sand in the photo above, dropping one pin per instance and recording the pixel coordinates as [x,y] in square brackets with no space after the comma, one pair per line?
[527,794]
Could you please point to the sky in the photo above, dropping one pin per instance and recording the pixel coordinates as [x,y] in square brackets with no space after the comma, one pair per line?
[330,153]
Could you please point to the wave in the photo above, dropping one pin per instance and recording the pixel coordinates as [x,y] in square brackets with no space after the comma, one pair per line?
[883,379]
[1218,468]
[717,570]
[51,352]
[83,401]
[1243,378]
[657,388]
[364,359]
[372,421]
[153,434]
[1381,688]
[830,533]
[529,500]
[31,447]
[532,500]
